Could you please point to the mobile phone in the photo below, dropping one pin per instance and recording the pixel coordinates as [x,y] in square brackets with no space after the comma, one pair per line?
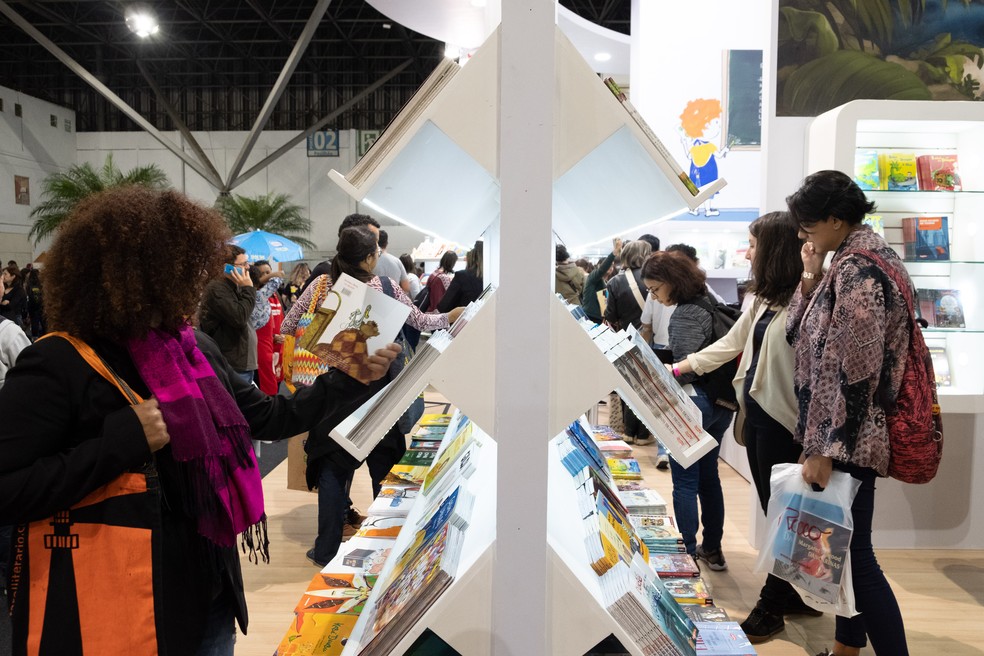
[230,268]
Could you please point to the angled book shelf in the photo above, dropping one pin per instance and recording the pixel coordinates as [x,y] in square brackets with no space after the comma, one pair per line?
[435,166]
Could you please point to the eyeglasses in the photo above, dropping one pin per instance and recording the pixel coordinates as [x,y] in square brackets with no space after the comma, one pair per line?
[654,289]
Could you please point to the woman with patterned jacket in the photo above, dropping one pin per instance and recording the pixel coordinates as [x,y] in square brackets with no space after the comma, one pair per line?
[849,328]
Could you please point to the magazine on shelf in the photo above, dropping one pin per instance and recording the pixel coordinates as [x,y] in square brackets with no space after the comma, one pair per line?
[926,238]
[363,320]
[653,139]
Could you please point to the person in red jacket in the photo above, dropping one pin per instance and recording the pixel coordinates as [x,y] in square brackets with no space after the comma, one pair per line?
[269,341]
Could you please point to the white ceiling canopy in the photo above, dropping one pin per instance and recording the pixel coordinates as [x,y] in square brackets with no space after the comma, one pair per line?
[467,23]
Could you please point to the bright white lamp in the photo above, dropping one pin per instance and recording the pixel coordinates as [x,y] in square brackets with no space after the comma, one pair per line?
[141,20]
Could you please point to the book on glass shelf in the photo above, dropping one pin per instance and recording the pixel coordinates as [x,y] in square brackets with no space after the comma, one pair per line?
[948,309]
[898,171]
[353,322]
[938,173]
[876,222]
[941,361]
[926,238]
[866,169]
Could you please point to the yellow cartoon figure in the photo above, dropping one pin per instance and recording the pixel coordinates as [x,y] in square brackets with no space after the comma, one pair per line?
[700,126]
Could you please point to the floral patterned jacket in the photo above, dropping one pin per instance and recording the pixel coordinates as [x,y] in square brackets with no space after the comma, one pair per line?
[850,338]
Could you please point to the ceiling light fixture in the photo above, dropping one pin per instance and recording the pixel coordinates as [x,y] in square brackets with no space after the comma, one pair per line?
[602,56]
[386,26]
[478,3]
[141,20]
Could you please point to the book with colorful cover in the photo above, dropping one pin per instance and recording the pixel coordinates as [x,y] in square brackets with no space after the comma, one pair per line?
[643,502]
[394,500]
[425,445]
[435,420]
[941,361]
[604,433]
[417,458]
[876,222]
[689,590]
[376,526]
[354,321]
[444,463]
[430,433]
[326,614]
[866,169]
[938,173]
[926,238]
[898,171]
[673,566]
[407,474]
[624,468]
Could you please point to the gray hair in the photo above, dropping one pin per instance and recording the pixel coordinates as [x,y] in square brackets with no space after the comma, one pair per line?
[634,254]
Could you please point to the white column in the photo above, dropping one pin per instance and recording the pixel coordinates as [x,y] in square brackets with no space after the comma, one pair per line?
[522,359]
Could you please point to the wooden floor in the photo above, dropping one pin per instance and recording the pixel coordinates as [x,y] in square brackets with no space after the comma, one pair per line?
[941,593]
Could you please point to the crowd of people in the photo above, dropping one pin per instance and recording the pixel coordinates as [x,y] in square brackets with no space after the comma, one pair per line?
[153,390]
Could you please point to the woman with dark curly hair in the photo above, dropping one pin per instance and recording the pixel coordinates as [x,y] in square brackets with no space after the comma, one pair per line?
[129,511]
[675,279]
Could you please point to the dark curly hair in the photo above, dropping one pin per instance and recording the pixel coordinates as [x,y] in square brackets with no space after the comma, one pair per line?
[826,194]
[777,266]
[149,254]
[684,277]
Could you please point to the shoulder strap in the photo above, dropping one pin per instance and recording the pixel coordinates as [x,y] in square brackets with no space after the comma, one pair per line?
[904,287]
[386,285]
[319,293]
[99,365]
[634,286]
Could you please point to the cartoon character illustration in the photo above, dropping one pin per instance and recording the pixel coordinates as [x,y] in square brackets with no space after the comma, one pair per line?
[349,348]
[700,126]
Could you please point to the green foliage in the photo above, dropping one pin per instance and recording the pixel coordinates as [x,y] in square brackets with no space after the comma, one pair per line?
[61,192]
[810,30]
[847,75]
[271,212]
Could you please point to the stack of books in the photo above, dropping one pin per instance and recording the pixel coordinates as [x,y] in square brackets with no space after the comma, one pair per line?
[897,170]
[643,502]
[659,533]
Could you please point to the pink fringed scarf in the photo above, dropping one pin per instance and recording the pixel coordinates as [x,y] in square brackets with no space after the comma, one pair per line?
[210,440]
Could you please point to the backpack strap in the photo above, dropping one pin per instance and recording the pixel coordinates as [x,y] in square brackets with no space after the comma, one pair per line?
[634,287]
[97,363]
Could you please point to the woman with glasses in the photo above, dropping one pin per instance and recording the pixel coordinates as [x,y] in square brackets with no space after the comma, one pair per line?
[675,279]
[850,329]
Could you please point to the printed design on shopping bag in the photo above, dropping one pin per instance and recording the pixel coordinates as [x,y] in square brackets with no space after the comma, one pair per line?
[810,551]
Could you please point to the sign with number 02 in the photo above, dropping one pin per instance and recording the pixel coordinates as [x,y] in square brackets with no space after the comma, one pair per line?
[323,143]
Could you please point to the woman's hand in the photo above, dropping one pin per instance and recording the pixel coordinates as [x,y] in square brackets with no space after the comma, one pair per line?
[454,314]
[816,469]
[278,339]
[812,259]
[152,421]
[379,362]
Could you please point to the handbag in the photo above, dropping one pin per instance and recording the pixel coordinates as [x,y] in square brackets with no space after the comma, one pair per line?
[302,366]
[73,573]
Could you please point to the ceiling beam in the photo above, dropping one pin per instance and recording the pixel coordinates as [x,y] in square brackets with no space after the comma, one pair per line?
[278,89]
[269,159]
[133,114]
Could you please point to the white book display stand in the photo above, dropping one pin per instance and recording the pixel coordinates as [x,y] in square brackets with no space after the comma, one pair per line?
[436,168]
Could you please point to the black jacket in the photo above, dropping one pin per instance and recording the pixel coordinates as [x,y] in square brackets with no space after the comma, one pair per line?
[224,316]
[66,432]
[465,287]
[623,309]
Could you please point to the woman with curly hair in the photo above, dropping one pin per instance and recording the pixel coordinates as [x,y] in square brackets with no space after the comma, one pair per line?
[125,441]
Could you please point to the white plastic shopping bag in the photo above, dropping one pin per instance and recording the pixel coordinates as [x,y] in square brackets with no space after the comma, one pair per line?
[809,538]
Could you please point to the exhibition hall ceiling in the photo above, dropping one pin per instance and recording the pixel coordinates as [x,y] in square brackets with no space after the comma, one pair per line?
[215,61]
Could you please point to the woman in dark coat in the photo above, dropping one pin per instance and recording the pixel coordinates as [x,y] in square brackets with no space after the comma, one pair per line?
[130,512]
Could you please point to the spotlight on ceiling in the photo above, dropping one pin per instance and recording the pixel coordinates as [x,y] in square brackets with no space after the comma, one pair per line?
[602,57]
[141,20]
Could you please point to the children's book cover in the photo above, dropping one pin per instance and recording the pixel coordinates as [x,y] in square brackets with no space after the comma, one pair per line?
[674,565]
[706,613]
[376,526]
[435,420]
[866,172]
[361,320]
[898,170]
[948,309]
[876,222]
[326,614]
[926,237]
[938,173]
[624,468]
[688,590]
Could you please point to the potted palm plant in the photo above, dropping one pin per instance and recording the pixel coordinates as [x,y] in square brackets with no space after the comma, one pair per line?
[273,213]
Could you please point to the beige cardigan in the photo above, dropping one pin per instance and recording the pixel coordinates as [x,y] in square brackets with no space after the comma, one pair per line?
[772,388]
